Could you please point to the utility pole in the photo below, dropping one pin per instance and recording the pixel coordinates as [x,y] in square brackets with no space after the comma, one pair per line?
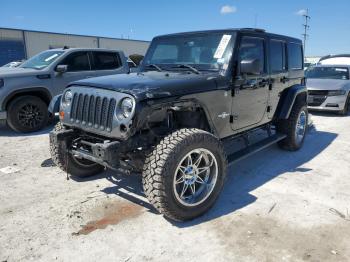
[306,27]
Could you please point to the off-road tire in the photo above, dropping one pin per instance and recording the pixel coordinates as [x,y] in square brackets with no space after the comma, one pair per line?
[288,126]
[13,113]
[345,111]
[160,166]
[67,162]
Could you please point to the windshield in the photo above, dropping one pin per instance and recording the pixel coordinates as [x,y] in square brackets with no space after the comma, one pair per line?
[328,73]
[204,52]
[42,60]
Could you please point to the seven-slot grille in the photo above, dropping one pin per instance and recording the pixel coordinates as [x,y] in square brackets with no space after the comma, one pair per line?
[93,111]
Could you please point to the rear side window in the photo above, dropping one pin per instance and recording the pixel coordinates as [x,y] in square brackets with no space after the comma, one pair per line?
[252,48]
[78,61]
[106,61]
[295,56]
[277,56]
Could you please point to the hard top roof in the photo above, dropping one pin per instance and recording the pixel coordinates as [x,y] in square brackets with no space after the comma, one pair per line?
[243,30]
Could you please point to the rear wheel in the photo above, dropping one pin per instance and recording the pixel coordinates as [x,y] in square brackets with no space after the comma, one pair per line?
[27,114]
[295,127]
[69,163]
[185,173]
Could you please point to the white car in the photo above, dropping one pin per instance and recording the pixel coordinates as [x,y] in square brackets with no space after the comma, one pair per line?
[328,88]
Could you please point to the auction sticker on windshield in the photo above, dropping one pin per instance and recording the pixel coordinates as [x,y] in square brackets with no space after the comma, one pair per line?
[222,46]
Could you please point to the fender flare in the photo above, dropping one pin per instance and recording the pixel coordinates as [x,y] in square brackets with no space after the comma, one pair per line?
[288,98]
[27,91]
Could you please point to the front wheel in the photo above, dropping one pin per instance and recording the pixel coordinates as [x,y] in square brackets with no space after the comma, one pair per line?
[295,127]
[345,111]
[27,114]
[184,174]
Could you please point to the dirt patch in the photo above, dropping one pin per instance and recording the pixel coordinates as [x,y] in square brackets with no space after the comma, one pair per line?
[266,239]
[113,213]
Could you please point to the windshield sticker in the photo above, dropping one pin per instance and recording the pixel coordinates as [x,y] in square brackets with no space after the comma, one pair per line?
[222,46]
[51,57]
[341,69]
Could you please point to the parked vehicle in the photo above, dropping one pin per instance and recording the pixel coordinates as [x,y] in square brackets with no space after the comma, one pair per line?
[176,119]
[340,59]
[26,91]
[328,88]
[12,64]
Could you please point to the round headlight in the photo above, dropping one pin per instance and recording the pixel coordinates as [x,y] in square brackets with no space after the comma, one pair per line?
[68,96]
[127,107]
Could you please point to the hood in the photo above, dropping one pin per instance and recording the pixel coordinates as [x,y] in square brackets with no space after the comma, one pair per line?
[17,72]
[326,84]
[153,84]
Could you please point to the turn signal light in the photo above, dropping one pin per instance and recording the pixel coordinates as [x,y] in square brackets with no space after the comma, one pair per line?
[61,114]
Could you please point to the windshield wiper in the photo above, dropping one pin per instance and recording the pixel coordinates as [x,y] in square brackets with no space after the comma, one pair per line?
[154,66]
[194,70]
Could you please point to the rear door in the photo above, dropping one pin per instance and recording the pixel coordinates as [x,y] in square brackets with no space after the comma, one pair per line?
[251,91]
[107,63]
[278,73]
[78,67]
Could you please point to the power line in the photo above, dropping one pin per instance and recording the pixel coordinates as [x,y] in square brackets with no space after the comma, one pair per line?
[306,27]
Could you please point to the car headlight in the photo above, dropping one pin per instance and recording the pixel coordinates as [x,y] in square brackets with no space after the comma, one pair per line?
[127,107]
[2,82]
[67,97]
[336,93]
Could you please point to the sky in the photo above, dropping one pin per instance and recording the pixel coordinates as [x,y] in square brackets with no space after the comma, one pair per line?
[143,19]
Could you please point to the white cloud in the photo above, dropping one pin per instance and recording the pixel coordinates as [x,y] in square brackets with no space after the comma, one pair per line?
[301,12]
[227,9]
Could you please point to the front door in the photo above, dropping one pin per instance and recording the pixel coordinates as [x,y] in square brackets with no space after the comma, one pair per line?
[78,67]
[251,91]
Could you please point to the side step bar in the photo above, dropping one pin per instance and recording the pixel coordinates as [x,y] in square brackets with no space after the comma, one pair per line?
[247,151]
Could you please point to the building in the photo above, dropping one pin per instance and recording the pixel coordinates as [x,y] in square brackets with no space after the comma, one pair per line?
[17,44]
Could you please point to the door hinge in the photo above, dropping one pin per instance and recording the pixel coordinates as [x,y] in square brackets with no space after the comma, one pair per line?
[268,109]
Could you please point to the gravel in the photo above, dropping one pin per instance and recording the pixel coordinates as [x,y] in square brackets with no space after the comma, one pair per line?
[276,206]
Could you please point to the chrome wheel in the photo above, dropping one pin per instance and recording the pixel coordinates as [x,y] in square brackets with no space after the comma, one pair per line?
[195,177]
[301,127]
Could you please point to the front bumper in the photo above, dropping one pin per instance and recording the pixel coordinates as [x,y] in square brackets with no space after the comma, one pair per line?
[329,103]
[3,115]
[105,153]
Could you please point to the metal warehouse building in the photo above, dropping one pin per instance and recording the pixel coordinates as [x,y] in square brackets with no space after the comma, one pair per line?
[17,44]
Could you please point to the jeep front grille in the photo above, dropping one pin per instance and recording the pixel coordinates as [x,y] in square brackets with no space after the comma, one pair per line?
[93,111]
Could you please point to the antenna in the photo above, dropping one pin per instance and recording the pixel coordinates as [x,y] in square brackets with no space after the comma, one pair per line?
[306,27]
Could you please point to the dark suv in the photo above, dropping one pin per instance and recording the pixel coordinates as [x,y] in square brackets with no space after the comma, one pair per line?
[175,120]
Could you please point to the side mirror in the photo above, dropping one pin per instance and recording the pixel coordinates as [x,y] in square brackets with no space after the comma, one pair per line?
[251,67]
[61,69]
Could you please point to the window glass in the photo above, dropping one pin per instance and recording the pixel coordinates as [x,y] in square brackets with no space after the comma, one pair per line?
[253,48]
[78,61]
[295,56]
[42,60]
[328,73]
[203,51]
[277,56]
[106,60]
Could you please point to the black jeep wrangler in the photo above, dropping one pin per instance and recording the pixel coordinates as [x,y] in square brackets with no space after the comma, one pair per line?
[176,118]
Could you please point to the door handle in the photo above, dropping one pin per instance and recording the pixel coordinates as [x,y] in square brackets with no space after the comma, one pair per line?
[89,77]
[284,79]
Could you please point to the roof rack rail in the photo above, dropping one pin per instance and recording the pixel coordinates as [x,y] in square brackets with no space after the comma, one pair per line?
[254,29]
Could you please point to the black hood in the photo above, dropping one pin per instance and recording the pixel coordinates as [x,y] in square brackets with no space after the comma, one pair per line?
[153,84]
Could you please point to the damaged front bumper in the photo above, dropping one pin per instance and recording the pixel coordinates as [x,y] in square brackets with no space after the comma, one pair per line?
[103,152]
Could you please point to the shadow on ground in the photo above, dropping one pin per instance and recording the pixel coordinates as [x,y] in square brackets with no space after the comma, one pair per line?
[243,177]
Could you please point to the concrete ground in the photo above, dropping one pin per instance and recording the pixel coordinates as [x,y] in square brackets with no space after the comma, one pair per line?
[276,206]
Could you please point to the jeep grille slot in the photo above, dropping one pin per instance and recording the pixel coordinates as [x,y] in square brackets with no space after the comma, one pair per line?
[93,111]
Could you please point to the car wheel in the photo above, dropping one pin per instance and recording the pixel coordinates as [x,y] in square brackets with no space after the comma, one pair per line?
[27,114]
[295,127]
[185,173]
[68,163]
